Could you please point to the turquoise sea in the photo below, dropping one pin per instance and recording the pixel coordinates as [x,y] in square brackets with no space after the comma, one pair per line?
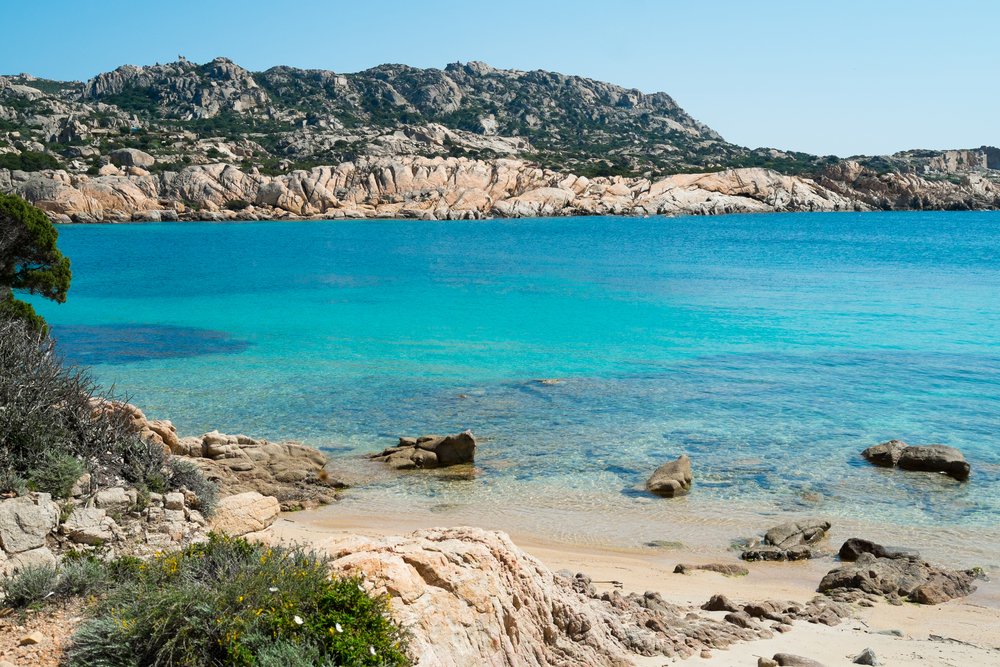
[771,348]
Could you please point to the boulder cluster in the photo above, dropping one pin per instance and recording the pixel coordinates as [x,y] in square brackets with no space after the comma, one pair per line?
[429,451]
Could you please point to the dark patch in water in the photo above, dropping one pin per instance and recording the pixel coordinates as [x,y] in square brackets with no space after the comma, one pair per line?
[123,344]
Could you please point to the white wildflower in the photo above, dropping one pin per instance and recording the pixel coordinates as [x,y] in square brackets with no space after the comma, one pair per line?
[298,619]
[273,589]
[339,628]
[371,649]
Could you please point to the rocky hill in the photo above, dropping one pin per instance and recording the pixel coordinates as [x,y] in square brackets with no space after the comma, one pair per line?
[189,140]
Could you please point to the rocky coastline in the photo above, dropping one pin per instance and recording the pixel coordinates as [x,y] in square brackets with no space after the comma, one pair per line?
[493,601]
[459,188]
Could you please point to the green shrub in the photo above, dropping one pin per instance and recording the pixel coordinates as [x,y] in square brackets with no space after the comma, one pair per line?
[48,409]
[11,482]
[183,474]
[51,431]
[230,602]
[28,161]
[56,474]
[29,586]
[81,576]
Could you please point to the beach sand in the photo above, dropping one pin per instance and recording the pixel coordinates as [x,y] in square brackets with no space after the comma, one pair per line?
[960,633]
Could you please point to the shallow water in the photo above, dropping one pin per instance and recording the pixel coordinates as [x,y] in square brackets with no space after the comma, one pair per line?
[771,348]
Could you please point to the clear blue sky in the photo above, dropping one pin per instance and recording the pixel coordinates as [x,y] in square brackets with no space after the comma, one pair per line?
[839,76]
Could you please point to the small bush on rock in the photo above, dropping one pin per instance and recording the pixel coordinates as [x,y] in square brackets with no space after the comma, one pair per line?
[230,602]
[183,474]
[56,474]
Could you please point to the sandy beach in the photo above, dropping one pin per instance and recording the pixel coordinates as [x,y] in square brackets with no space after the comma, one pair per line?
[962,632]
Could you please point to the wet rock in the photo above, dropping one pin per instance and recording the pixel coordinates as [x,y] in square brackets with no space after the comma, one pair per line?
[885,454]
[935,458]
[796,532]
[429,451]
[664,544]
[914,580]
[924,458]
[671,479]
[852,549]
[727,569]
[771,553]
[788,541]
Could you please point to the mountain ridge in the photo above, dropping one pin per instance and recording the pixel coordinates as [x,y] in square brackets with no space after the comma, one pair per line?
[163,119]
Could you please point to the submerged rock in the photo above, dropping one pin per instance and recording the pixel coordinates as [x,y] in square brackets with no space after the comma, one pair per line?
[430,451]
[924,458]
[671,479]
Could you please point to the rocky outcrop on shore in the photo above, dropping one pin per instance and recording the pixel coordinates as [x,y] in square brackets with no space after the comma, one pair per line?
[871,577]
[289,471]
[407,187]
[471,597]
[458,188]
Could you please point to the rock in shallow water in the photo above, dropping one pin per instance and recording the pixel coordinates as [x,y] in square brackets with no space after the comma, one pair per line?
[795,533]
[935,458]
[430,451]
[922,458]
[789,541]
[672,478]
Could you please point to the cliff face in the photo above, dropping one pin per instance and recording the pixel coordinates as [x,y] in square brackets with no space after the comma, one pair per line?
[459,188]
